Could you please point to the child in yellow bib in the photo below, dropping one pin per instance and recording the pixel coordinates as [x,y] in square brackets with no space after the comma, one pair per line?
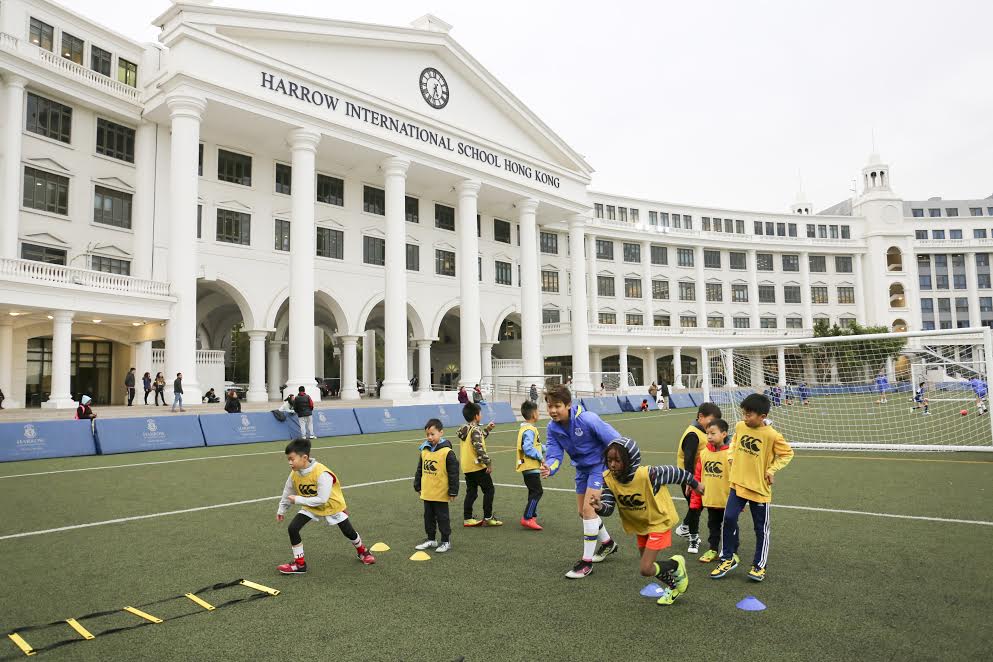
[477,466]
[529,459]
[314,487]
[712,470]
[757,452]
[437,481]
[638,493]
[693,440]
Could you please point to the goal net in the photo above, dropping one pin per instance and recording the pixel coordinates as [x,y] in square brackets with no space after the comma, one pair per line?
[609,383]
[922,390]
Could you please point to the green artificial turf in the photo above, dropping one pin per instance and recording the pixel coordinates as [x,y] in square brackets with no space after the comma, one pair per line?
[840,586]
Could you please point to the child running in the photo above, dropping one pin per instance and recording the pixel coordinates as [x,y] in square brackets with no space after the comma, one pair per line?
[690,444]
[712,471]
[437,481]
[529,459]
[316,488]
[757,452]
[979,388]
[646,510]
[477,467]
[584,436]
[920,399]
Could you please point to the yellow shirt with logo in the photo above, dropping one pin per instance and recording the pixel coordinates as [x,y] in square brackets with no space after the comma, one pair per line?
[525,463]
[434,475]
[714,477]
[306,486]
[642,511]
[754,453]
[701,437]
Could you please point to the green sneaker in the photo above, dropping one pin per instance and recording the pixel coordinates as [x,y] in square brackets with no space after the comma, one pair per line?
[668,596]
[682,579]
[726,566]
[756,574]
[709,556]
[472,521]
[491,521]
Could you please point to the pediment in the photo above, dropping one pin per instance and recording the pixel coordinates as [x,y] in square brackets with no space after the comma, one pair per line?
[114,182]
[110,250]
[234,205]
[47,238]
[48,164]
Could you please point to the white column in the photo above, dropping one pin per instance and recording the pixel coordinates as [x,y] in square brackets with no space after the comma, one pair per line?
[13,400]
[486,362]
[729,368]
[972,287]
[143,209]
[781,365]
[275,369]
[531,358]
[753,285]
[677,367]
[410,363]
[701,288]
[303,239]
[468,191]
[60,397]
[185,113]
[143,358]
[622,361]
[256,367]
[580,326]
[369,361]
[349,378]
[319,352]
[651,369]
[646,283]
[591,271]
[805,294]
[10,166]
[860,291]
[423,366]
[396,383]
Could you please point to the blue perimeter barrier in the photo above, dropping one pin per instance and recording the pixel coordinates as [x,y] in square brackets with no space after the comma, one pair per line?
[330,423]
[244,428]
[413,417]
[129,435]
[45,439]
[633,402]
[602,405]
[680,400]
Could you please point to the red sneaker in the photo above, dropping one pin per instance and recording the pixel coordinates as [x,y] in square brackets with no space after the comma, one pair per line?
[531,524]
[366,558]
[298,567]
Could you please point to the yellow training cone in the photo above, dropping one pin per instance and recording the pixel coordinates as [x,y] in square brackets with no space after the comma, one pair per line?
[420,556]
[380,547]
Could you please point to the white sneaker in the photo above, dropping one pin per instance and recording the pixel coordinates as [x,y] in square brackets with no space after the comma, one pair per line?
[444,547]
[694,547]
[427,544]
[682,530]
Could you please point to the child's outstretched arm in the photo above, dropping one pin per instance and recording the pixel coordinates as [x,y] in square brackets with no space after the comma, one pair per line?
[324,483]
[604,506]
[284,501]
[527,445]
[670,475]
[553,455]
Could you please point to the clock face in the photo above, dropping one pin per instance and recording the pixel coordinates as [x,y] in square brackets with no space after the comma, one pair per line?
[434,88]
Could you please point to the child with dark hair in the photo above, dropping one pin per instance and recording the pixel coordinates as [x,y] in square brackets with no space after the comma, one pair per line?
[437,481]
[316,488]
[712,470]
[529,459]
[477,467]
[693,440]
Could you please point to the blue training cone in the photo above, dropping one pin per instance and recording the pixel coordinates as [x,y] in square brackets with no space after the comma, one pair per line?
[653,591]
[751,603]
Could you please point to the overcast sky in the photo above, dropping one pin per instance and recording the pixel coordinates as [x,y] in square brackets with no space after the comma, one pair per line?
[723,103]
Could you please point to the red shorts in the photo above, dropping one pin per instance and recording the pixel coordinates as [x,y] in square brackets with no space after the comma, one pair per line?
[655,541]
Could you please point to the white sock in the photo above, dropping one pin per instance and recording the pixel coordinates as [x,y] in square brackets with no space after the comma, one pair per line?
[297,550]
[602,534]
[590,527]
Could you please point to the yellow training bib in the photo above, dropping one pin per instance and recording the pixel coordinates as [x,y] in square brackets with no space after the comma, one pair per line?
[306,486]
[642,511]
[714,473]
[434,475]
[525,463]
[701,437]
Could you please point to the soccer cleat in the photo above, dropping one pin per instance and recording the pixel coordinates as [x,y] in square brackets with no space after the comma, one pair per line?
[531,524]
[606,549]
[298,567]
[491,521]
[726,566]
[580,570]
[694,546]
[444,547]
[668,596]
[708,556]
[366,558]
[682,530]
[679,574]
[756,574]
[427,544]
[472,521]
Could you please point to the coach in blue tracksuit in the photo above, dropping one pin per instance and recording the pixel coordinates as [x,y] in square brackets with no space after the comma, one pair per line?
[584,436]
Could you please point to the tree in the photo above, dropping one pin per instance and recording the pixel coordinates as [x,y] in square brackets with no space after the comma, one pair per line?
[855,361]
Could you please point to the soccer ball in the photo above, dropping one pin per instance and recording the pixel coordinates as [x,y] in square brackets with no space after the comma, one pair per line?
[964,412]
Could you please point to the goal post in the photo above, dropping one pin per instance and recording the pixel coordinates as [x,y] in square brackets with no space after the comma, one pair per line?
[858,391]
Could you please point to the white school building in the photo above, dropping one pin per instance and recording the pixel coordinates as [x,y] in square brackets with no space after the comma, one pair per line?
[260,198]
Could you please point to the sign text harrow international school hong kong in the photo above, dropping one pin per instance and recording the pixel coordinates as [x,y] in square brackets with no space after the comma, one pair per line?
[403,128]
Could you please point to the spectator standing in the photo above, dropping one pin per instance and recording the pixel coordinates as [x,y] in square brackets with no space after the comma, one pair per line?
[533,394]
[303,405]
[232,404]
[663,400]
[159,385]
[129,386]
[146,384]
[653,391]
[177,392]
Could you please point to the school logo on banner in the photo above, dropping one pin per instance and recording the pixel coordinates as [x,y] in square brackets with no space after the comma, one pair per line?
[30,432]
[151,426]
[245,422]
[321,417]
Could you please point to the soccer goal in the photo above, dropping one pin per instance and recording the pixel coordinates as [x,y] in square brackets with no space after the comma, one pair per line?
[609,383]
[857,392]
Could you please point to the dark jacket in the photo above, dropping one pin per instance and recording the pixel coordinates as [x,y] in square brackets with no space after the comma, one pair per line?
[177,386]
[84,412]
[463,397]
[451,466]
[146,382]
[232,405]
[129,380]
[303,405]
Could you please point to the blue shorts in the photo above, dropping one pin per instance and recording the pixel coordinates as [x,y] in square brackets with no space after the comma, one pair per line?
[589,478]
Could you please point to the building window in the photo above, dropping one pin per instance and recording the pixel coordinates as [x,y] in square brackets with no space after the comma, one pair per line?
[954,234]
[634,319]
[917,213]
[604,249]
[607,318]
[951,211]
[687,321]
[43,254]
[742,323]
[127,72]
[234,227]
[715,292]
[737,260]
[111,207]
[660,289]
[374,250]
[330,243]
[818,264]
[791,263]
[282,235]
[597,210]
[200,160]
[444,217]
[791,294]
[843,264]
[504,273]
[986,304]
[944,305]
[937,234]
[632,253]
[927,305]
[846,295]
[780,229]
[983,281]
[664,218]
[846,232]
[920,234]
[605,286]
[705,222]
[42,34]
[284,177]
[634,215]
[684,257]
[834,231]
[100,61]
[72,48]
[632,288]
[660,255]
[549,242]
[115,141]
[501,231]
[110,265]
[822,232]
[622,214]
[811,231]
[941,282]
[763,261]
[958,281]
[687,222]
[549,281]
[374,200]
[767,322]
[767,294]
[934,213]
[234,168]
[49,118]
[444,262]
[757,227]
[979,233]
[770,228]
[794,323]
[46,191]
[411,210]
[739,227]
[961,305]
[819,294]
[687,291]
[611,214]
[331,190]
[551,316]
[199,221]
[715,321]
[739,293]
[791,229]
[661,319]
[653,218]
[413,257]
[712,259]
